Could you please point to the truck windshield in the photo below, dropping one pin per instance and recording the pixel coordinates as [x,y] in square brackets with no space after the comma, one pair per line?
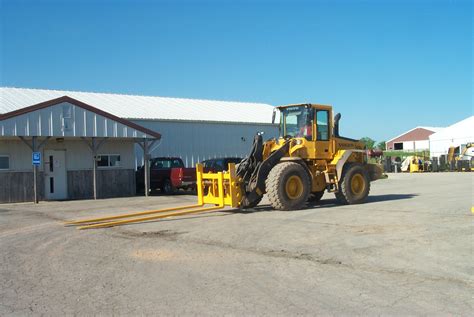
[297,122]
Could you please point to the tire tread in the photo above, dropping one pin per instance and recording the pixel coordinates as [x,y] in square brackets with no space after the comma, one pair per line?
[273,185]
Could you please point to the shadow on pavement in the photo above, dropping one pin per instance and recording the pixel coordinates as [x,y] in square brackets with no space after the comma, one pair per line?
[388,197]
[323,203]
[159,193]
[332,202]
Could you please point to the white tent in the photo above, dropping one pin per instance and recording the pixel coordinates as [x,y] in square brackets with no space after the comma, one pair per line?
[458,134]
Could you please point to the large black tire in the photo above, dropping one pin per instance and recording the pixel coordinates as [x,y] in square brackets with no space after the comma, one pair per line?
[315,196]
[288,186]
[354,185]
[168,188]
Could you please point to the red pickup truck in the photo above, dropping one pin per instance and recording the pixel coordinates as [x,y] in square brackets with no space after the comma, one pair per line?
[168,174]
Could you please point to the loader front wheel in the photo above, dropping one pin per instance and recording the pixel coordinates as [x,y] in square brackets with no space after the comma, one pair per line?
[354,186]
[288,186]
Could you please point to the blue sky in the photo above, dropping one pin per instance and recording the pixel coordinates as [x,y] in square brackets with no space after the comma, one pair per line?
[388,66]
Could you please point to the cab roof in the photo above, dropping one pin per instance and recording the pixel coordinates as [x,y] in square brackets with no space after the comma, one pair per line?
[312,105]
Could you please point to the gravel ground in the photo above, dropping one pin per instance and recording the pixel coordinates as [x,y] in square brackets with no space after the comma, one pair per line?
[408,251]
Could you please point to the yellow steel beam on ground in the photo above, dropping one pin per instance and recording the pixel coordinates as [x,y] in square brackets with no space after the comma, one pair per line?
[142,213]
[122,222]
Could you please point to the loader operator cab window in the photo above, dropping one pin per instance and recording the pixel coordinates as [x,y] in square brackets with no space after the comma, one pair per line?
[322,121]
[297,122]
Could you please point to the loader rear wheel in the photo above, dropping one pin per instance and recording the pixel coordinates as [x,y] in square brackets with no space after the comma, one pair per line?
[288,186]
[354,186]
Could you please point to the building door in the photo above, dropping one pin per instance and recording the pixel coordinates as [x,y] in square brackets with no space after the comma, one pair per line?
[55,175]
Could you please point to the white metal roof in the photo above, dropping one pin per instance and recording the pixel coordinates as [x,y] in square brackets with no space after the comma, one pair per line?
[460,129]
[144,107]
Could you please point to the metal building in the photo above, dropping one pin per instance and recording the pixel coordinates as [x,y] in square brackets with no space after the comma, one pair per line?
[192,129]
[71,128]
[66,149]
[416,139]
[457,134]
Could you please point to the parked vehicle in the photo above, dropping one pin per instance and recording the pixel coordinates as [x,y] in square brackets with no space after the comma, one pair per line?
[219,164]
[168,174]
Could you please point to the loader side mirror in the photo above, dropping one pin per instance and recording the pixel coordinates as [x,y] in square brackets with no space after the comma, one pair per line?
[274,115]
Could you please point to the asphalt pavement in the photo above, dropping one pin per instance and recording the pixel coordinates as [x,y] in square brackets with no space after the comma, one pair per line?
[407,251]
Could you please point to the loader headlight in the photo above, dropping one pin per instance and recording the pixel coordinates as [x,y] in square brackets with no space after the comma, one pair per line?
[299,141]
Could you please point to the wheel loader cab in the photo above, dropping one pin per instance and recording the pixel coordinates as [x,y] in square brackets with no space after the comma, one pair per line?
[311,125]
[297,122]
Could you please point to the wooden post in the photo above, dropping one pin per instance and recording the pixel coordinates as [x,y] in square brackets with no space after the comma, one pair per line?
[146,146]
[94,146]
[146,168]
[94,167]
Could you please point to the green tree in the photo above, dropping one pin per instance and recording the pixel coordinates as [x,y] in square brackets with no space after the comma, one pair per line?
[369,143]
[381,145]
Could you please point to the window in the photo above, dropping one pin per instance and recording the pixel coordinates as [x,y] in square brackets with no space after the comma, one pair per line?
[4,162]
[166,163]
[297,122]
[398,146]
[235,160]
[322,119]
[67,117]
[219,165]
[207,164]
[108,160]
[176,163]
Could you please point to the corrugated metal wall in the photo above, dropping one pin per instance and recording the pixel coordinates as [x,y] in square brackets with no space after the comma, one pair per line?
[66,120]
[197,141]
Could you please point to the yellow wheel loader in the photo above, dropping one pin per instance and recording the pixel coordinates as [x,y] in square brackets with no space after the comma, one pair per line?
[308,158]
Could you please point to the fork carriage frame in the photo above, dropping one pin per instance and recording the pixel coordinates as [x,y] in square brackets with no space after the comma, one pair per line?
[216,189]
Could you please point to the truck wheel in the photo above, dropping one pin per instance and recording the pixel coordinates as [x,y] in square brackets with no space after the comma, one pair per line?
[288,185]
[354,186]
[168,188]
[316,196]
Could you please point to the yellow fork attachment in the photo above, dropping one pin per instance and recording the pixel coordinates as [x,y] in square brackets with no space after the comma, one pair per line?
[219,189]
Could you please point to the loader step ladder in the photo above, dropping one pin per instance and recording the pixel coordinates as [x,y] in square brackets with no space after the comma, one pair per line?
[215,191]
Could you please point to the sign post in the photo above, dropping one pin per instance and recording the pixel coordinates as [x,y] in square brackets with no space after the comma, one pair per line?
[36,161]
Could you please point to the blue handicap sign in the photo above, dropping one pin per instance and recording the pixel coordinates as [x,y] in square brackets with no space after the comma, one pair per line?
[36,158]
